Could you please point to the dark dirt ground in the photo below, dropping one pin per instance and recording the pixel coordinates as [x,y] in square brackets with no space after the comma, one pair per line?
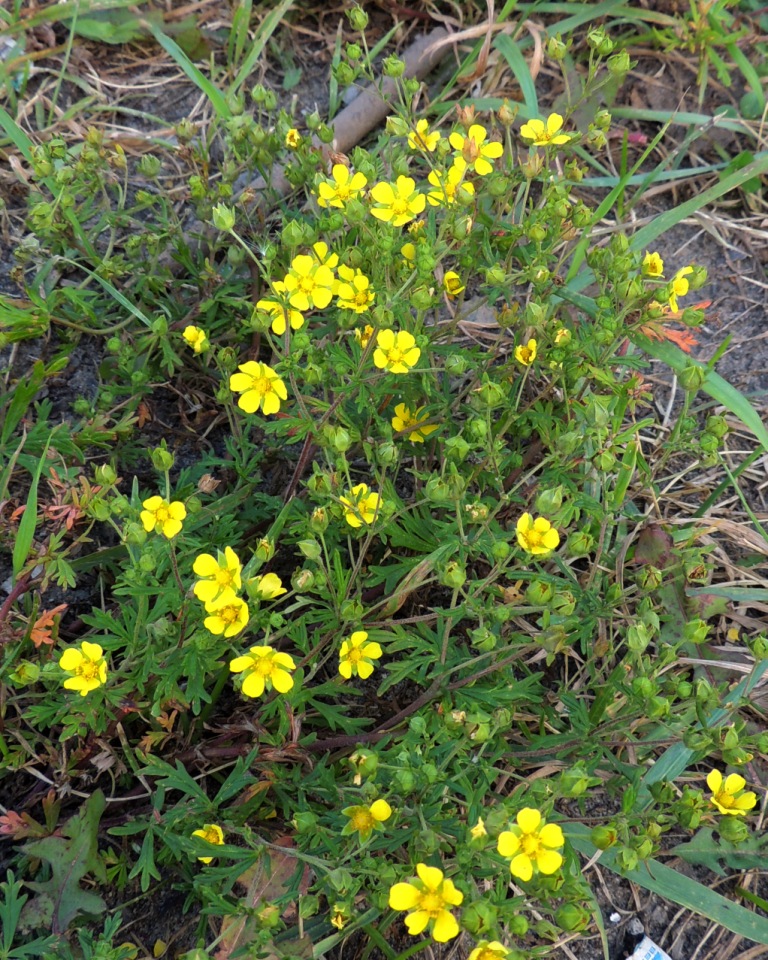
[730,243]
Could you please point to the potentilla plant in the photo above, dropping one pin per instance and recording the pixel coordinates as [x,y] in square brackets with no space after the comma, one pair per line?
[426,640]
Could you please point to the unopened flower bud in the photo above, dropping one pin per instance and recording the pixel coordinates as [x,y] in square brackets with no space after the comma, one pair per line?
[223,217]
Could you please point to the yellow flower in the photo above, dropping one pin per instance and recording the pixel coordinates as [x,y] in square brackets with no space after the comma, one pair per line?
[266,587]
[323,255]
[492,950]
[479,831]
[293,139]
[563,336]
[211,833]
[526,353]
[87,666]
[653,265]
[449,186]
[339,918]
[219,575]
[396,352]
[360,505]
[354,291]
[162,516]
[417,429]
[281,313]
[428,898]
[408,252]
[397,202]
[679,287]
[364,335]
[259,386]
[543,133]
[422,139]
[356,656]
[227,615]
[309,283]
[196,338]
[338,191]
[365,819]
[264,668]
[475,151]
[531,845]
[452,284]
[729,796]
[537,537]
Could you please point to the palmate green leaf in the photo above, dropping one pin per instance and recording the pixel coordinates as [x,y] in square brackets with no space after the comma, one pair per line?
[674,886]
[709,851]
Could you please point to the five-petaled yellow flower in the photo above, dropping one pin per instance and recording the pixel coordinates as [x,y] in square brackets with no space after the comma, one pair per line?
[729,795]
[365,819]
[450,186]
[525,353]
[360,505]
[266,587]
[162,516]
[280,313]
[363,336]
[474,150]
[537,537]
[422,139]
[344,187]
[486,950]
[452,284]
[679,287]
[354,290]
[653,265]
[309,283]
[396,352]
[87,666]
[196,337]
[259,387]
[397,202]
[543,134]
[218,575]
[405,419]
[227,615]
[357,656]
[211,833]
[292,139]
[428,899]
[531,845]
[264,668]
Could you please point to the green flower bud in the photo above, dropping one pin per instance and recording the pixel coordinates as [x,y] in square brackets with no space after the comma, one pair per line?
[358,18]
[643,687]
[600,42]
[147,563]
[134,534]
[479,918]
[105,475]
[580,544]
[457,449]
[490,394]
[619,64]
[518,927]
[437,490]
[302,580]
[500,550]
[604,836]
[556,49]
[453,575]
[292,234]
[717,426]
[495,276]
[387,453]
[695,631]
[25,673]
[539,593]
[733,829]
[305,822]
[657,707]
[325,133]
[405,781]
[223,218]
[162,459]
[150,165]
[692,377]
[397,127]
[507,113]
[393,67]
[483,639]
[265,549]
[563,603]
[311,549]
[697,279]
[421,298]
[319,520]
[354,51]
[708,443]
[571,917]
[455,364]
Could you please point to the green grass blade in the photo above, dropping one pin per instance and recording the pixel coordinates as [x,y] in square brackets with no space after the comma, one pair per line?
[28,523]
[16,135]
[123,301]
[218,101]
[519,67]
[269,24]
[674,886]
[717,388]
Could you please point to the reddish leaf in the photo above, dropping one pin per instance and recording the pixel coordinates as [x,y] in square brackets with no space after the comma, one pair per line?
[42,631]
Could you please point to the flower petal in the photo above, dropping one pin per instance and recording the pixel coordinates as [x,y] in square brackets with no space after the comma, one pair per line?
[733,782]
[548,861]
[521,867]
[508,843]
[416,922]
[446,927]
[551,835]
[714,780]
[529,820]
[431,877]
[404,896]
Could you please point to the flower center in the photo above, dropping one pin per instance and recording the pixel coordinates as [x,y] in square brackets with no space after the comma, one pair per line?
[530,845]
[306,284]
[89,670]
[264,667]
[261,385]
[211,836]
[224,578]
[470,151]
[162,515]
[533,537]
[725,799]
[399,207]
[363,821]
[342,191]
[361,298]
[432,903]
[355,655]
[395,355]
[228,614]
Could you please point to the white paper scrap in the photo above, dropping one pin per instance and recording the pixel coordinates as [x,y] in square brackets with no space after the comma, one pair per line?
[647,950]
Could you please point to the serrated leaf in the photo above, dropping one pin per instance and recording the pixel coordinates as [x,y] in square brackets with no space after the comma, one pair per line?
[710,851]
[71,857]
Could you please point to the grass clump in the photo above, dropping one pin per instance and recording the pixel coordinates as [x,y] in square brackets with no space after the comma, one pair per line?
[407,640]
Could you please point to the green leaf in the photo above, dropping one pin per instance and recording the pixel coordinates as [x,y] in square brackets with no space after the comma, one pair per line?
[71,857]
[28,523]
[675,886]
[519,67]
[269,24]
[708,851]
